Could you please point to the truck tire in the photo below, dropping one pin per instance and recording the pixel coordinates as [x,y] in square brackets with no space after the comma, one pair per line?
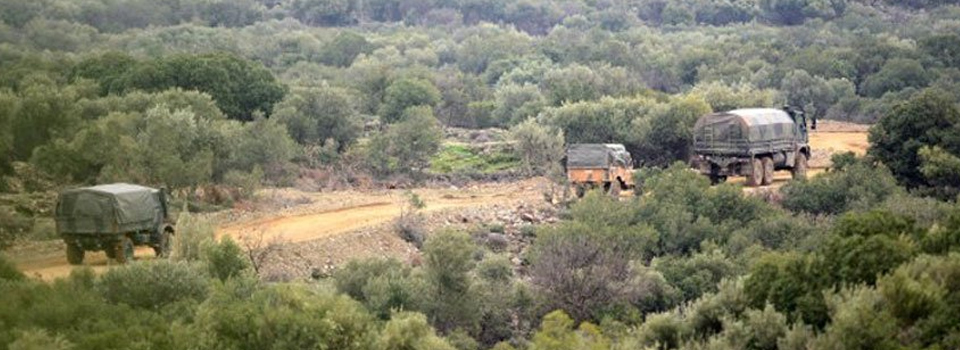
[74,254]
[767,171]
[755,177]
[163,246]
[800,167]
[123,250]
[580,190]
[716,179]
[615,188]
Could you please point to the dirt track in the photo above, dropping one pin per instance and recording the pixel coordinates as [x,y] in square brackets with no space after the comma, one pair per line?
[323,218]
[330,215]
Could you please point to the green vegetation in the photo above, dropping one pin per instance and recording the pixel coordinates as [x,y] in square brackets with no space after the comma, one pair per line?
[465,159]
[215,97]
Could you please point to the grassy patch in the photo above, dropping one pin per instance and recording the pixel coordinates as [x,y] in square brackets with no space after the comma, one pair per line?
[466,159]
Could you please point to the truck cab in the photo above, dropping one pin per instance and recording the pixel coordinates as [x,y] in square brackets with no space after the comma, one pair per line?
[596,165]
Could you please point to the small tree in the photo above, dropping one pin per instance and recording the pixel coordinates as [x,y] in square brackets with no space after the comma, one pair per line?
[406,147]
[539,147]
[409,226]
[406,93]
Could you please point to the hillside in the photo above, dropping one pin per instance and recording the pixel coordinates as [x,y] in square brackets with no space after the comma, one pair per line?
[387,174]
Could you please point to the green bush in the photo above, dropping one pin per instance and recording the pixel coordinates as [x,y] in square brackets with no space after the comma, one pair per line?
[410,331]
[858,186]
[193,233]
[9,271]
[155,284]
[283,316]
[225,259]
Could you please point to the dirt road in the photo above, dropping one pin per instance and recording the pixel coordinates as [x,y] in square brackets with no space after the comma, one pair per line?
[329,215]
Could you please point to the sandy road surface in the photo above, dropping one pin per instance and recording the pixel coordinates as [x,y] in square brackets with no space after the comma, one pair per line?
[327,215]
[331,214]
[326,223]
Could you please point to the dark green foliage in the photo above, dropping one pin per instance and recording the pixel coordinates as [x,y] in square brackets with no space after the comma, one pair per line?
[944,48]
[896,75]
[405,93]
[316,115]
[929,119]
[383,285]
[793,12]
[854,186]
[8,271]
[344,49]
[154,285]
[282,317]
[448,299]
[225,259]
[697,274]
[405,147]
[240,87]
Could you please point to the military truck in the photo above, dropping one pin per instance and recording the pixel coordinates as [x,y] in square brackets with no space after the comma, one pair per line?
[113,218]
[593,165]
[752,142]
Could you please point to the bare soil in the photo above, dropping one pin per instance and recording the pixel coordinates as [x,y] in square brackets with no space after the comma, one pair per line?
[321,230]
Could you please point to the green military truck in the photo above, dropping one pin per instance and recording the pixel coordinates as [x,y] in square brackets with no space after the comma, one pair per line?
[113,218]
[752,142]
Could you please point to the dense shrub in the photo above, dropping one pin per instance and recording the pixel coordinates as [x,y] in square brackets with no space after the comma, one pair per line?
[154,284]
[225,259]
[857,186]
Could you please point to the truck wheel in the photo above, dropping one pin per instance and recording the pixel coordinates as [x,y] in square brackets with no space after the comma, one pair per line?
[123,250]
[74,254]
[767,171]
[615,189]
[580,190]
[716,179]
[163,247]
[756,172]
[800,168]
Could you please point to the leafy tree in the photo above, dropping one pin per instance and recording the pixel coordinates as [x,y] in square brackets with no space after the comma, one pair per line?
[855,186]
[557,333]
[928,119]
[222,13]
[324,13]
[941,170]
[240,87]
[449,298]
[154,285]
[240,316]
[793,12]
[18,13]
[407,330]
[315,115]
[814,94]
[225,259]
[943,48]
[406,146]
[406,93]
[516,103]
[722,97]
[666,135]
[540,148]
[344,48]
[896,75]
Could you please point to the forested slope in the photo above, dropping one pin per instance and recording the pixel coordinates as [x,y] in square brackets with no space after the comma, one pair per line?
[199,94]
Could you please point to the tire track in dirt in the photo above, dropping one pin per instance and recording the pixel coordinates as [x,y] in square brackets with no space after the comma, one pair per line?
[300,227]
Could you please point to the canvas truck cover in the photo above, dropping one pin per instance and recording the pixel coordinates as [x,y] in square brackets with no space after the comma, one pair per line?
[108,208]
[596,155]
[744,128]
